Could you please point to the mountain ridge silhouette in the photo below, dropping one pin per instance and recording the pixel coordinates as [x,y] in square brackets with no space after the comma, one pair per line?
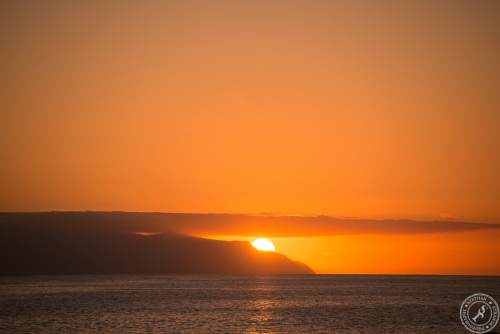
[41,245]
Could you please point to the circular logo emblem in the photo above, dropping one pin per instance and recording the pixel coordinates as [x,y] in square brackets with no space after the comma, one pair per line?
[479,313]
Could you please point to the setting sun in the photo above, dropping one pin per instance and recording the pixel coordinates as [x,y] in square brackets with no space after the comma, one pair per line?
[264,245]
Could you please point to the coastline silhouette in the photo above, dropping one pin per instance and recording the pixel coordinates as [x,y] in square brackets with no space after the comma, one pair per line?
[81,243]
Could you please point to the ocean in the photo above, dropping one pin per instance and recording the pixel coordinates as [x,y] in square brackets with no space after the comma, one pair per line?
[224,304]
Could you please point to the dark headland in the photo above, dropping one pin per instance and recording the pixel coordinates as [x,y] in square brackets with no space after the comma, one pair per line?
[113,243]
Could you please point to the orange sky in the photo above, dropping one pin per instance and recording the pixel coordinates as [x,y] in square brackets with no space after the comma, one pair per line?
[458,253]
[346,108]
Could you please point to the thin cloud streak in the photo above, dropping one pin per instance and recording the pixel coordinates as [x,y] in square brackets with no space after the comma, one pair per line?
[231,224]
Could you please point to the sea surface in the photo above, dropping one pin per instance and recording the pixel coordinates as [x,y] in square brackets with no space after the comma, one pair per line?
[227,304]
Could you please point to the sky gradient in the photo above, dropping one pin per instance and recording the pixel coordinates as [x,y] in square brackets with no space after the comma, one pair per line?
[351,108]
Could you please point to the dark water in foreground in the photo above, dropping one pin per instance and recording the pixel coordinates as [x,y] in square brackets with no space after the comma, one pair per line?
[221,304]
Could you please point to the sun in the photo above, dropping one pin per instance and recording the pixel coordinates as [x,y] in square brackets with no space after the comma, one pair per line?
[263,244]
